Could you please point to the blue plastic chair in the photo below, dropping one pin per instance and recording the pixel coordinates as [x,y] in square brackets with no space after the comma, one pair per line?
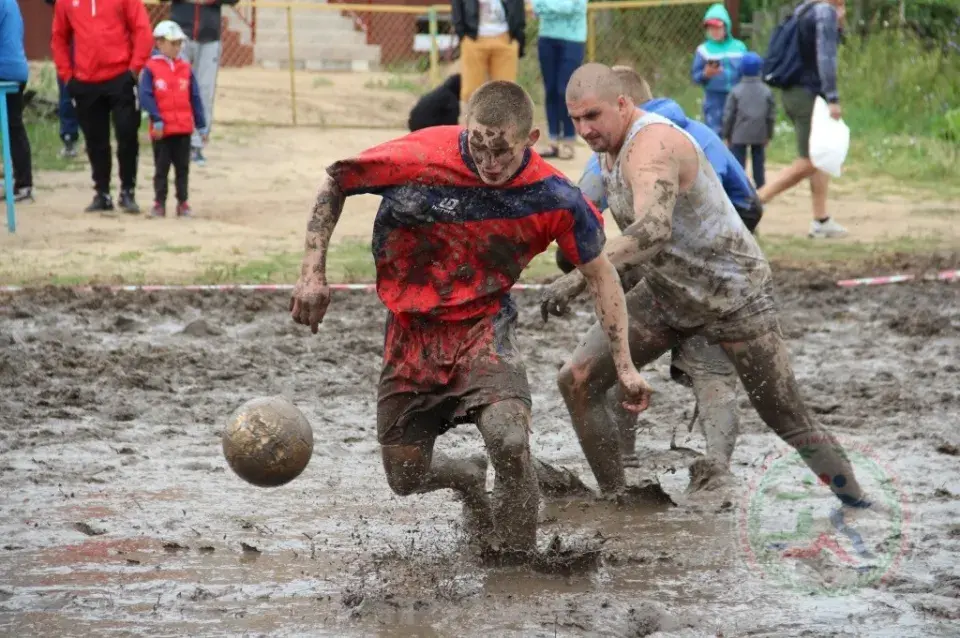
[5,89]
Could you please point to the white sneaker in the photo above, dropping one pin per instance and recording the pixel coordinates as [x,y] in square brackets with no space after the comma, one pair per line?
[824,230]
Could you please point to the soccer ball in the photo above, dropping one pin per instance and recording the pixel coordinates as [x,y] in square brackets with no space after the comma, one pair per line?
[268,442]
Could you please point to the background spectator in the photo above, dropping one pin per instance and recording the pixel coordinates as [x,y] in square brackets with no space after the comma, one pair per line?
[14,68]
[69,126]
[171,97]
[492,39]
[110,41]
[749,117]
[201,22]
[560,46]
[716,65]
[818,33]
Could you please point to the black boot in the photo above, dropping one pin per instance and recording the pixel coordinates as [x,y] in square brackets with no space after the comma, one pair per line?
[128,203]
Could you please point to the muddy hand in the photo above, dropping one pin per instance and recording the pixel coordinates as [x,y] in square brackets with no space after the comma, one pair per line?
[636,391]
[309,302]
[555,299]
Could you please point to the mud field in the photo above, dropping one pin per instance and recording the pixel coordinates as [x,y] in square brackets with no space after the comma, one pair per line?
[120,517]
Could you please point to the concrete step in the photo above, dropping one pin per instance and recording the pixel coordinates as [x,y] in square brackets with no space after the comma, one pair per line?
[356,66]
[280,52]
[304,35]
[277,19]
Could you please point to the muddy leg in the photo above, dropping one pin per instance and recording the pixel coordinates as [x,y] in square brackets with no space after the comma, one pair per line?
[626,424]
[417,469]
[715,382]
[505,427]
[585,380]
[764,367]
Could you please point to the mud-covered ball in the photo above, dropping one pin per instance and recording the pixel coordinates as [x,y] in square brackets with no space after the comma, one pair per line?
[268,442]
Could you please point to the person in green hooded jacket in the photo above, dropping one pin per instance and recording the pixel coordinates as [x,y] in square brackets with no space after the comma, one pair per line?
[716,64]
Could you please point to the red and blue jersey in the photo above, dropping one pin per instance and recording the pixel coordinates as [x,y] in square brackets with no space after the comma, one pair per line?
[446,244]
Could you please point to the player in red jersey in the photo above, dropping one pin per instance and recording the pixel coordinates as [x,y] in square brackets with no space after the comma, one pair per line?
[463,212]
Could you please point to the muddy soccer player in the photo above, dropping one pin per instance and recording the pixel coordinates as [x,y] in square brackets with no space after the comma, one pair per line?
[695,363]
[703,274]
[463,212]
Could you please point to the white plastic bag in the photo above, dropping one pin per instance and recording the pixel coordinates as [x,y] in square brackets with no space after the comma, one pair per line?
[829,139]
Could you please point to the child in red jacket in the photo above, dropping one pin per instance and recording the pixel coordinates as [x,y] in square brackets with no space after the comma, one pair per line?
[170,95]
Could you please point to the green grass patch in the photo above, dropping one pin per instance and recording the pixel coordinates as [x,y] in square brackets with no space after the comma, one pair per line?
[806,251]
[45,145]
[352,262]
[176,250]
[129,256]
[397,83]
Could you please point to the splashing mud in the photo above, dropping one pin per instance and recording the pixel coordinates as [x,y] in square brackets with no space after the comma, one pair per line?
[119,512]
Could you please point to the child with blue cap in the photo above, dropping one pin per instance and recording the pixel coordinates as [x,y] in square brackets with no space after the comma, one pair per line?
[749,117]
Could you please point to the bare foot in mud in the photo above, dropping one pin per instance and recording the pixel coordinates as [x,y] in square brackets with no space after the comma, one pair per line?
[710,475]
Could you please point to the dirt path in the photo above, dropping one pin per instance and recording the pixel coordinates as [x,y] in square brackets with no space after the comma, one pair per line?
[119,513]
[254,195]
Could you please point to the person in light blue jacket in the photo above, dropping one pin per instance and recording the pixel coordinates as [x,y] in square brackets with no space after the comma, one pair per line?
[14,68]
[716,65]
[560,47]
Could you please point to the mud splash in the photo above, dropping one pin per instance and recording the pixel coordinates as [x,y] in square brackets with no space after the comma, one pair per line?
[119,512]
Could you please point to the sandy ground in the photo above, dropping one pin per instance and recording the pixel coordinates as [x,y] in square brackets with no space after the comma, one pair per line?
[253,197]
[120,515]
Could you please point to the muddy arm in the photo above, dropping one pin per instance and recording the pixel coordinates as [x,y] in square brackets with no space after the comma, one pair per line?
[323,219]
[611,308]
[657,161]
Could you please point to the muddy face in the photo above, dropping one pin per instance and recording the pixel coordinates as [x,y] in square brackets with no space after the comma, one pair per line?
[497,152]
[601,124]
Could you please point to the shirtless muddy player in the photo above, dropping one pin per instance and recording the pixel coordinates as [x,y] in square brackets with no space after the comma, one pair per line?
[463,212]
[703,274]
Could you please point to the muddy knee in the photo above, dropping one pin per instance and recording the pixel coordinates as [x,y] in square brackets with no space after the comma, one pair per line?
[506,432]
[574,379]
[406,467]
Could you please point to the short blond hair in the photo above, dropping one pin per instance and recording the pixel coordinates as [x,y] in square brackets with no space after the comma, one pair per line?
[502,104]
[634,85]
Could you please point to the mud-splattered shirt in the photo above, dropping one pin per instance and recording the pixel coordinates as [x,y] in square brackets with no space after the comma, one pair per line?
[711,265]
[450,246]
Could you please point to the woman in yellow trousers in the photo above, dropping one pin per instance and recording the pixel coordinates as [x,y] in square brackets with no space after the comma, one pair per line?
[492,41]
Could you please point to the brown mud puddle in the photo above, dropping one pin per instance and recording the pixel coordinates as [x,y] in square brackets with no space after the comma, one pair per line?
[119,514]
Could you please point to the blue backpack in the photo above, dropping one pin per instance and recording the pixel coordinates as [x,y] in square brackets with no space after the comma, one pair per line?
[782,65]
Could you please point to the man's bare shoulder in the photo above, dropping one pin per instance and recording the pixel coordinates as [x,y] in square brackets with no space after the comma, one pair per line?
[661,145]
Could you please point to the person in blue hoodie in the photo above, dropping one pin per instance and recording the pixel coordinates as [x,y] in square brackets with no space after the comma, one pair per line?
[716,64]
[14,68]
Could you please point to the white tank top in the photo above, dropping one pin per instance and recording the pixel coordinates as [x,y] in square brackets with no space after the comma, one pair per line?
[711,265]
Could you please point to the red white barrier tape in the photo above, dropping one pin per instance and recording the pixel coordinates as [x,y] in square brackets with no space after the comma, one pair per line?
[943,275]
[224,287]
